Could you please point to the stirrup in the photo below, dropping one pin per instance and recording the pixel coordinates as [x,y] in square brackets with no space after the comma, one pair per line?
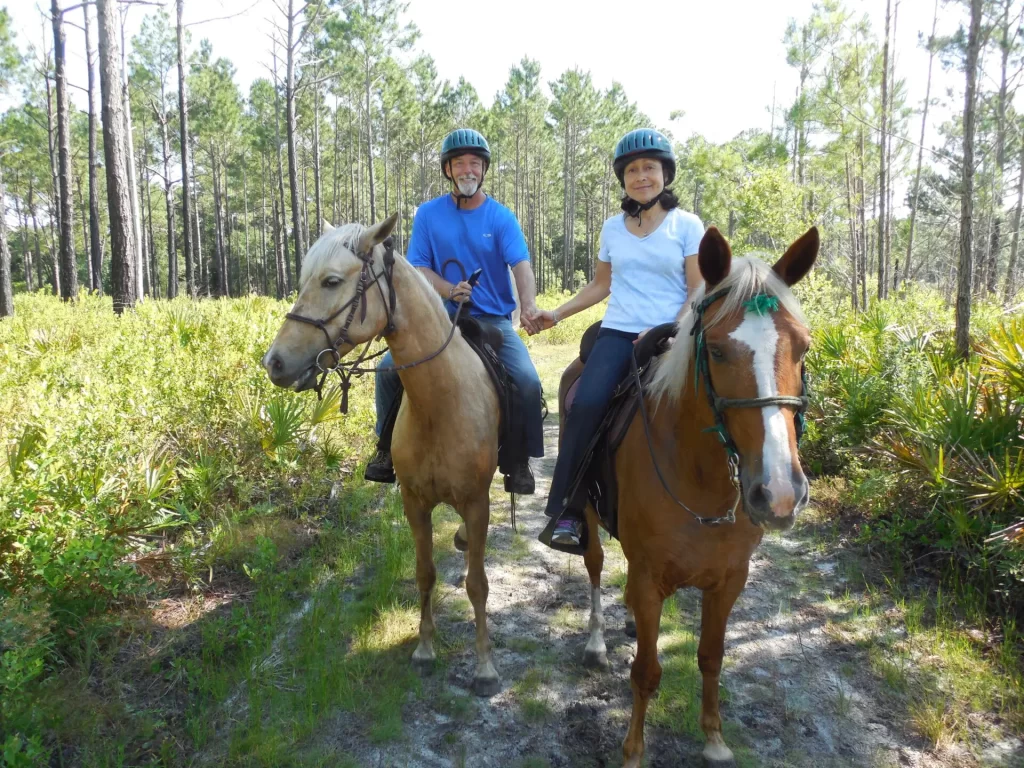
[571,549]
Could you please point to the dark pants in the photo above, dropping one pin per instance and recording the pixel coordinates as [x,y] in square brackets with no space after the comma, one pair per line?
[606,367]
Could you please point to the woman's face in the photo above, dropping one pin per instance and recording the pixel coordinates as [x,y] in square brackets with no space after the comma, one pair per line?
[644,179]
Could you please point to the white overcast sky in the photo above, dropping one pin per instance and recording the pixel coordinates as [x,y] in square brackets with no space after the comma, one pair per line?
[720,61]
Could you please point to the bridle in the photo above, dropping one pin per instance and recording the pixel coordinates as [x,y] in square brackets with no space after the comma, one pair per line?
[368,276]
[761,303]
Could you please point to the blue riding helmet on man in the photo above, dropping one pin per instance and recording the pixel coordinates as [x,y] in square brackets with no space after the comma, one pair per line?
[479,233]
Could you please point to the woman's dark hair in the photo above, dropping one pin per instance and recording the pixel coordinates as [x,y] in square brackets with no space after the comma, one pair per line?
[667,198]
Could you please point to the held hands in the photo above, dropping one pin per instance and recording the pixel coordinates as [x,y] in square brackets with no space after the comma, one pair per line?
[535,320]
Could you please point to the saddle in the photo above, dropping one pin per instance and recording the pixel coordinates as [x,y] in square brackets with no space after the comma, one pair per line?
[484,339]
[595,480]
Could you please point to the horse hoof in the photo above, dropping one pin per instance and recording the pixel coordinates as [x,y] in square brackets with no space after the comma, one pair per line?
[460,544]
[631,629]
[423,667]
[718,755]
[595,660]
[485,687]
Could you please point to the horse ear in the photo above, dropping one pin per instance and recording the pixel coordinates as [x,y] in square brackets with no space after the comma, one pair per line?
[325,225]
[378,233]
[714,257]
[798,259]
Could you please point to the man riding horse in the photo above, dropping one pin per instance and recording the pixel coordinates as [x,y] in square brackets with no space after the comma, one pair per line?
[452,236]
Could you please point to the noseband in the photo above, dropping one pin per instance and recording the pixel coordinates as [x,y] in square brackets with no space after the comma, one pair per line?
[762,303]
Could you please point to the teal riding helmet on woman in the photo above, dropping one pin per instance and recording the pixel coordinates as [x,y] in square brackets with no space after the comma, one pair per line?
[647,265]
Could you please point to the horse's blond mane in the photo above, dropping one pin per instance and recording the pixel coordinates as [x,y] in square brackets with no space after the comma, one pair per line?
[346,238]
[748,277]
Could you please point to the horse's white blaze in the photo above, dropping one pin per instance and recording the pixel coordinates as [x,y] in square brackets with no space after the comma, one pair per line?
[759,334]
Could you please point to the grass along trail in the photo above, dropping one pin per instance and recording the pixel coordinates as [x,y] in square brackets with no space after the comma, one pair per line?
[821,670]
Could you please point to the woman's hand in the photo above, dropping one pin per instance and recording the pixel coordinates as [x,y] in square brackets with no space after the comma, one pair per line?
[541,320]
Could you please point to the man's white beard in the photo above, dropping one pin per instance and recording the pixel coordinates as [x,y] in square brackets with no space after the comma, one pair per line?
[468,185]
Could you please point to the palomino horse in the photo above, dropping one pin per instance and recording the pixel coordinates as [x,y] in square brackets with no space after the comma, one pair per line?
[445,447]
[690,457]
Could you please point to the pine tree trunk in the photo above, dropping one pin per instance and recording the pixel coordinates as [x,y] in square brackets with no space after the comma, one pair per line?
[853,236]
[1011,267]
[369,146]
[994,247]
[68,267]
[6,280]
[263,224]
[186,208]
[882,155]
[286,287]
[965,272]
[95,246]
[218,230]
[245,223]
[920,147]
[293,181]
[317,186]
[172,249]
[133,189]
[55,189]
[122,245]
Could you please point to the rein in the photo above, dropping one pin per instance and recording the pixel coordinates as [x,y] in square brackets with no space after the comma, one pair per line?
[760,303]
[368,276]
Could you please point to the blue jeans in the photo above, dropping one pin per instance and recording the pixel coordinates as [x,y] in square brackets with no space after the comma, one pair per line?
[520,367]
[606,367]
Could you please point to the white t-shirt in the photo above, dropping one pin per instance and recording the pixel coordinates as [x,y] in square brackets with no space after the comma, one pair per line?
[648,279]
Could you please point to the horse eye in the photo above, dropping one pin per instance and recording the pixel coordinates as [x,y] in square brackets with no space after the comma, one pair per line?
[715,352]
[331,282]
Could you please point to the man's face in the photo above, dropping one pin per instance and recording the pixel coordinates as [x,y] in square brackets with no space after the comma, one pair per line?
[467,172]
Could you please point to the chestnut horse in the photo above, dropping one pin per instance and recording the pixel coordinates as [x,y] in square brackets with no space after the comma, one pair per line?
[718,430]
[353,289]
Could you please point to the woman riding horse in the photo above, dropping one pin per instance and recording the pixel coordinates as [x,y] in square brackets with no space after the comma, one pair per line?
[648,264]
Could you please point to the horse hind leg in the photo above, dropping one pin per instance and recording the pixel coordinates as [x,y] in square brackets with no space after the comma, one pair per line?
[595,655]
[630,627]
[418,515]
[486,681]
[715,609]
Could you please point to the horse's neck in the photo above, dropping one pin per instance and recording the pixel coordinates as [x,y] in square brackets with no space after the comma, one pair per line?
[421,327]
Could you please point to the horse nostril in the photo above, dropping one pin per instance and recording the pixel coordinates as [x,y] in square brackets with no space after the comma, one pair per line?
[760,497]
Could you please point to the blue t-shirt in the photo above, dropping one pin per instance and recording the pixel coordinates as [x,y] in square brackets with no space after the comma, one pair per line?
[487,237]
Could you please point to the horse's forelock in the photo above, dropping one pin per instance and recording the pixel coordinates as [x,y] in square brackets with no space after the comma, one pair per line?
[329,245]
[748,277]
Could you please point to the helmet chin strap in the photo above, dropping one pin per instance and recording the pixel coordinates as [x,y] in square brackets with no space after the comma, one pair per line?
[641,207]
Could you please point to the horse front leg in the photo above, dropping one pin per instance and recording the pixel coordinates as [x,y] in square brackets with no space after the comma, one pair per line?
[418,513]
[477,516]
[595,655]
[715,609]
[645,675]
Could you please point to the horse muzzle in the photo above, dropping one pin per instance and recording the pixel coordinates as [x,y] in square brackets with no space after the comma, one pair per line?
[288,376]
[774,505]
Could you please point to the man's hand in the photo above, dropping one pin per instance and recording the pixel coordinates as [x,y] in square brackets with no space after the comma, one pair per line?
[527,315]
[460,292]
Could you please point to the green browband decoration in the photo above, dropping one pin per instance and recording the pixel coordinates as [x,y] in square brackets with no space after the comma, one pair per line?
[762,304]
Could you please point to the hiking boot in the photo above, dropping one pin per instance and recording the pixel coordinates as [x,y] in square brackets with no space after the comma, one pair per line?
[520,479]
[380,469]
